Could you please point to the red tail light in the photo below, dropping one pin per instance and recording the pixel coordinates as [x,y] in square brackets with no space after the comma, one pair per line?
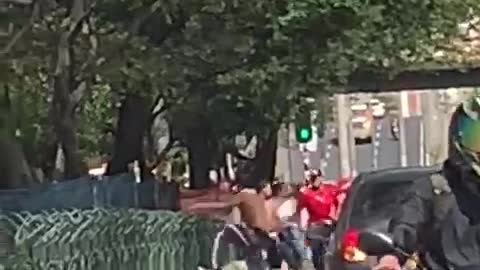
[350,238]
[349,247]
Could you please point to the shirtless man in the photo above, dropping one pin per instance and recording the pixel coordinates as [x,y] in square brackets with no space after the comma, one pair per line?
[252,210]
[251,203]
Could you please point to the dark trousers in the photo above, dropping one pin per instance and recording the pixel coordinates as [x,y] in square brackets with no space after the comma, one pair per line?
[318,236]
[318,253]
[286,250]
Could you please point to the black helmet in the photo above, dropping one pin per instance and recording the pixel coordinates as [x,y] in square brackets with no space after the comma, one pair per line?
[464,135]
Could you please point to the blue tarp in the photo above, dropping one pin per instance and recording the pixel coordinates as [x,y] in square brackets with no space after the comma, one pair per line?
[120,191]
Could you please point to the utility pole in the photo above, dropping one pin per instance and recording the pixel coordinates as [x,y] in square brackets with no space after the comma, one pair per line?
[421,149]
[432,127]
[343,135]
[290,130]
[445,120]
[403,100]
[375,146]
[422,143]
[351,146]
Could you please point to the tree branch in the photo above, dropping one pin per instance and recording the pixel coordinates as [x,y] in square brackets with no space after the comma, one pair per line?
[92,52]
[18,36]
[80,16]
[139,21]
[136,27]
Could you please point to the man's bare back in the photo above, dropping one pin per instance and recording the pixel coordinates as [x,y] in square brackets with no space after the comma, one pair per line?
[253,210]
[247,206]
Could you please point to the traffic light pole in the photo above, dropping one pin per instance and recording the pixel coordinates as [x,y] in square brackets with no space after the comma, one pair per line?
[289,145]
[401,125]
[344,140]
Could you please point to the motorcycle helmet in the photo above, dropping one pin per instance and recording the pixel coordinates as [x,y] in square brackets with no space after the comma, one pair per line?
[464,135]
[315,178]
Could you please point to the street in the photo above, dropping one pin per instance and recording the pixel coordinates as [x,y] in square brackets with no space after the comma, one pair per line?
[384,149]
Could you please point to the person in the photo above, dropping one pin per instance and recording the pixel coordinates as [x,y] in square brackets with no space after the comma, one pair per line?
[316,203]
[252,214]
[439,218]
[288,252]
[343,185]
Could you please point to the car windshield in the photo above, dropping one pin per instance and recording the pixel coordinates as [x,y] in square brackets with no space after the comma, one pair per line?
[375,204]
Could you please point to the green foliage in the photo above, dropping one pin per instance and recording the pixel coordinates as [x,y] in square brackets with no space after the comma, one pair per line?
[243,66]
[97,120]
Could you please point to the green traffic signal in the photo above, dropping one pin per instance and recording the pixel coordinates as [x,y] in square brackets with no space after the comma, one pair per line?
[304,134]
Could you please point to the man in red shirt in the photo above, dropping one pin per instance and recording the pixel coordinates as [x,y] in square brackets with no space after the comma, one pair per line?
[317,207]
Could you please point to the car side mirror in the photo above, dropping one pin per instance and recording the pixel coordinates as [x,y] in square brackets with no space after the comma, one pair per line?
[375,243]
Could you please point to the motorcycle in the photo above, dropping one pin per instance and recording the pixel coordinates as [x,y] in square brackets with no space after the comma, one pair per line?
[379,244]
[236,246]
[395,129]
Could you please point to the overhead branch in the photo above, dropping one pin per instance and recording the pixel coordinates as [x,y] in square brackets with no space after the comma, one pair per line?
[93,50]
[80,16]
[136,26]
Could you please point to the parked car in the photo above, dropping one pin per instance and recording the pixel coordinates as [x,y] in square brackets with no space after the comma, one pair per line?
[362,122]
[371,201]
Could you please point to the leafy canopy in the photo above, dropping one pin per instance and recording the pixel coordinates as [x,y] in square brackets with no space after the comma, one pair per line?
[242,66]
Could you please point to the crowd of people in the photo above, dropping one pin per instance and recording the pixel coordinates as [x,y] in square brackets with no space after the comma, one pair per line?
[272,208]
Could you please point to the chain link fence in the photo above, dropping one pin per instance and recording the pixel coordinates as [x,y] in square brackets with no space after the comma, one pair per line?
[98,223]
[105,239]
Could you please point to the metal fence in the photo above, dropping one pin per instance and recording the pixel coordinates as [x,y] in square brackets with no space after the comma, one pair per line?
[92,223]
[120,191]
[105,239]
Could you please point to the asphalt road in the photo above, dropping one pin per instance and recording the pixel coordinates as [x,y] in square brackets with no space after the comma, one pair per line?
[382,153]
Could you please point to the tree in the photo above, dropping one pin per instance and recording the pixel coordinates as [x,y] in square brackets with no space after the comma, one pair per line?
[315,45]
[245,68]
[220,68]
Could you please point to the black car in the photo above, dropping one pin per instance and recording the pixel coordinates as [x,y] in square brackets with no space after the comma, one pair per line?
[371,201]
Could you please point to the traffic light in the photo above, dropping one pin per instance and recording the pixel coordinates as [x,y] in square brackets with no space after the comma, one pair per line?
[303,129]
[304,134]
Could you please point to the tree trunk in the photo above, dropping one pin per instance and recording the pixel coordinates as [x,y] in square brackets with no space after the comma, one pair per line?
[47,149]
[262,167]
[68,92]
[131,127]
[266,159]
[199,156]
[65,124]
[13,165]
